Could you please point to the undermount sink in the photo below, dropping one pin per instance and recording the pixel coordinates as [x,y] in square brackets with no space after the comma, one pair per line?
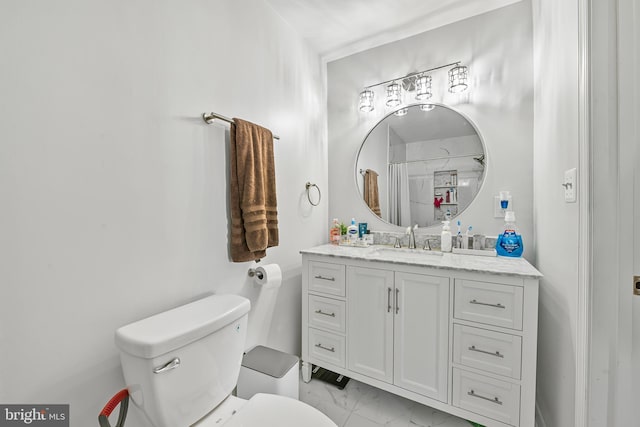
[406,252]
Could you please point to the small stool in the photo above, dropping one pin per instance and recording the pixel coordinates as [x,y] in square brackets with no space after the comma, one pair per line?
[265,370]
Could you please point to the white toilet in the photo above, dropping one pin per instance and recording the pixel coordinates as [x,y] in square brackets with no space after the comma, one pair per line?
[181,366]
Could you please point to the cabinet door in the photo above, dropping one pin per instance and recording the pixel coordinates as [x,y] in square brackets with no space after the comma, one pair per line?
[370,322]
[422,334]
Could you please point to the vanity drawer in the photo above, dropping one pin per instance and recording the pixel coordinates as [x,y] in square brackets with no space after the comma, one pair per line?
[487,350]
[490,303]
[499,400]
[327,346]
[326,313]
[326,278]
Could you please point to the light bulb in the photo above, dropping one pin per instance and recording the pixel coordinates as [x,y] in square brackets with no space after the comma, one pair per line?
[458,79]
[365,104]
[393,95]
[423,87]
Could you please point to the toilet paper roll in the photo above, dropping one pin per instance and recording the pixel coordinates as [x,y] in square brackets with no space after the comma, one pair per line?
[268,276]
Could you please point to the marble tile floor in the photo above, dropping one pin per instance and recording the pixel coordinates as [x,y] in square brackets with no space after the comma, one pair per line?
[360,405]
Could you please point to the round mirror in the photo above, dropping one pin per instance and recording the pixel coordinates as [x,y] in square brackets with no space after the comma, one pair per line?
[420,165]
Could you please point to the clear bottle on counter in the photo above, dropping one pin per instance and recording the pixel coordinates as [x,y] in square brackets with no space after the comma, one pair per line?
[335,232]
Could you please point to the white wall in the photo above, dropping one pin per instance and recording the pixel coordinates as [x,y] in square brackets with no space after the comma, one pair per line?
[497,47]
[556,222]
[114,190]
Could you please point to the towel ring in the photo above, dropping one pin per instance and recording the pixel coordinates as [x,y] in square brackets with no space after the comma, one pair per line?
[308,185]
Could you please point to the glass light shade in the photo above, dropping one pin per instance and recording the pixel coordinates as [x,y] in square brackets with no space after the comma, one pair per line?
[365,104]
[423,88]
[393,95]
[401,112]
[427,107]
[458,79]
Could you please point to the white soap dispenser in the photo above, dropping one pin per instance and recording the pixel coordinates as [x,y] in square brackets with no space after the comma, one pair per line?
[445,237]
[352,231]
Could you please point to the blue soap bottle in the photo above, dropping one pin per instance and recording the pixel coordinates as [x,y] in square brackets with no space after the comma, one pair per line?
[509,243]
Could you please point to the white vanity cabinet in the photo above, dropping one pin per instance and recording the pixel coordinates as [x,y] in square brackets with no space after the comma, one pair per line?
[454,332]
[421,338]
[370,322]
[494,345]
[397,328]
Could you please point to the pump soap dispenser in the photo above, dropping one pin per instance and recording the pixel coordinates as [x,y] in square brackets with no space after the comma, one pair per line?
[445,237]
[352,231]
[509,243]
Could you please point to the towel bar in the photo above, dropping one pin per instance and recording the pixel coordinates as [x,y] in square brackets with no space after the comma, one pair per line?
[211,117]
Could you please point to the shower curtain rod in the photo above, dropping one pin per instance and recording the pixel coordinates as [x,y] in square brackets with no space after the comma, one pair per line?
[211,117]
[435,158]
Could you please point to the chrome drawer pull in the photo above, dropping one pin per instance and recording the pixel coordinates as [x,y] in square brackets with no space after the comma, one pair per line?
[498,305]
[332,349]
[325,314]
[494,400]
[172,364]
[397,302]
[496,354]
[388,300]
[333,279]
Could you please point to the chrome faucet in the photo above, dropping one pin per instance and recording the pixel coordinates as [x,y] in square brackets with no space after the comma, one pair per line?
[412,236]
[427,245]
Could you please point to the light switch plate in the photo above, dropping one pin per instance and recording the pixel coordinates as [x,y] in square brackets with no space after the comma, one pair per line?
[570,181]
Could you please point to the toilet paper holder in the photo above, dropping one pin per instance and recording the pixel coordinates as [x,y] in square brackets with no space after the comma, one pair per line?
[255,273]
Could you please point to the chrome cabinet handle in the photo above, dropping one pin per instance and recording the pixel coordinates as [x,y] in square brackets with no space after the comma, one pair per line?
[489,399]
[496,354]
[498,305]
[332,279]
[388,300]
[332,349]
[397,304]
[172,364]
[325,314]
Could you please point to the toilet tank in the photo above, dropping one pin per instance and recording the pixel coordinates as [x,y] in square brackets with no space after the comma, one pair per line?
[180,364]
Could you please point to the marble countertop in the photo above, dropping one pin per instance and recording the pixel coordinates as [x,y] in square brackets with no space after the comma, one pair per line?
[495,265]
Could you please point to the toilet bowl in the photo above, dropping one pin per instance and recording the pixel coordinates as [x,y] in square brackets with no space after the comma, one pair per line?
[182,365]
[265,410]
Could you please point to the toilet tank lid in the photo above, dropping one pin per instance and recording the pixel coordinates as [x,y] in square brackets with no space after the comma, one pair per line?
[170,330]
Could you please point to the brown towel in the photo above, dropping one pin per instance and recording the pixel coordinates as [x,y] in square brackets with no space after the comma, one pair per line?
[254,214]
[371,191]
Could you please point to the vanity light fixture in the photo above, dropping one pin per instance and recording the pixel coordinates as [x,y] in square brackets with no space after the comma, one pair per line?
[401,112]
[458,79]
[394,95]
[419,82]
[366,101]
[423,87]
[427,107]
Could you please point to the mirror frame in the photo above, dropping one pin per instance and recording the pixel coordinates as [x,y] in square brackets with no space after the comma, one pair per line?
[416,104]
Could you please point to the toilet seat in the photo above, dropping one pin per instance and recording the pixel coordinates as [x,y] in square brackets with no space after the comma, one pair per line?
[270,410]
